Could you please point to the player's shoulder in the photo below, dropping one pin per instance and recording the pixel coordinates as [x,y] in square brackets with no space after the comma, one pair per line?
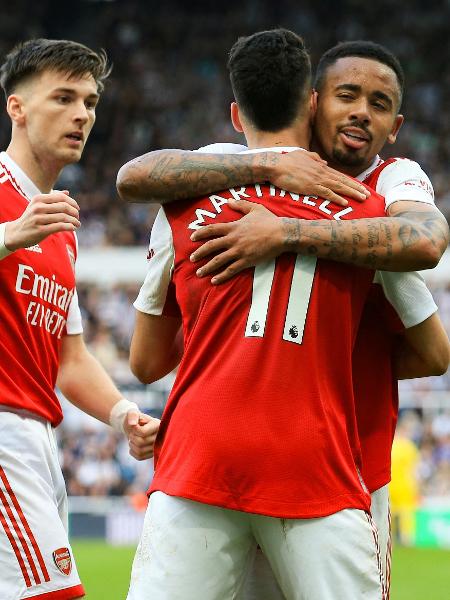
[222,148]
[396,166]
[400,173]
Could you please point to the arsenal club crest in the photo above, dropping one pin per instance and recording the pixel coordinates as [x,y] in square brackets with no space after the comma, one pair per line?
[63,560]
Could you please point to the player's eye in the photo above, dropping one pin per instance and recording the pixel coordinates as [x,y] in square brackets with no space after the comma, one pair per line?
[345,96]
[379,105]
[63,99]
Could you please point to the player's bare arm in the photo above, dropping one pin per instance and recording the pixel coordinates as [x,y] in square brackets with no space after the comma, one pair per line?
[166,175]
[44,215]
[413,238]
[85,383]
[156,346]
[423,350]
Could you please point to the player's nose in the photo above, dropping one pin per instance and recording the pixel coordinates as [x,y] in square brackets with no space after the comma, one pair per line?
[81,114]
[360,111]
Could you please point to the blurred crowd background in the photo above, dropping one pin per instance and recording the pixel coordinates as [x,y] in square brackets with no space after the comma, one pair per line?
[169,88]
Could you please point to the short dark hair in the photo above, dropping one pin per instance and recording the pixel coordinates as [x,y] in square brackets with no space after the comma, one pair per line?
[360,49]
[35,56]
[270,73]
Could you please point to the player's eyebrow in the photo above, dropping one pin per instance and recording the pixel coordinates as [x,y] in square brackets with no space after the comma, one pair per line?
[72,92]
[384,97]
[352,87]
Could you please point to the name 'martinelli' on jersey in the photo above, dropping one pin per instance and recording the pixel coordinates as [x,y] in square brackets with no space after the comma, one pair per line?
[257,191]
[47,291]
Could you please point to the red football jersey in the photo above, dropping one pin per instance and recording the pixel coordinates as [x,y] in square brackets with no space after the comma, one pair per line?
[37,285]
[376,388]
[261,417]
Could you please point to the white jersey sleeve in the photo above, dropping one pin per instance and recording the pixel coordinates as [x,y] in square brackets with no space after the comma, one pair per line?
[153,293]
[74,324]
[3,249]
[408,294]
[404,179]
[224,148]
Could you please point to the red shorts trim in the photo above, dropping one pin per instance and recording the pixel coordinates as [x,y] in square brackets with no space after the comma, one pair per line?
[27,528]
[14,546]
[76,591]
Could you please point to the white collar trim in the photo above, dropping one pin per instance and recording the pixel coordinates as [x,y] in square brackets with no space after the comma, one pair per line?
[377,161]
[19,178]
[274,149]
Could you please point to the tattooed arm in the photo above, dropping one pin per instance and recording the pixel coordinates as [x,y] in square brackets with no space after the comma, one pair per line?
[413,237]
[167,175]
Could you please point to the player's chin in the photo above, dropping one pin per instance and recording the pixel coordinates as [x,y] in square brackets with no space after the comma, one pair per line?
[350,157]
[71,155]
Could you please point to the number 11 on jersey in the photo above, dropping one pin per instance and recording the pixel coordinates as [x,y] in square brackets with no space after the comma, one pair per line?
[299,296]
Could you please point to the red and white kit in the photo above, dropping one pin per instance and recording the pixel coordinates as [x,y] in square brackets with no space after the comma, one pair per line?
[39,306]
[396,301]
[375,385]
[261,418]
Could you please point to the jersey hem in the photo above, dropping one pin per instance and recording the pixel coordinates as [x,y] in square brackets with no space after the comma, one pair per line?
[268,508]
[41,416]
[76,591]
[378,482]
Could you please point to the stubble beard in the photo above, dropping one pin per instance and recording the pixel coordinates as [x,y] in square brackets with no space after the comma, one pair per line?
[348,159]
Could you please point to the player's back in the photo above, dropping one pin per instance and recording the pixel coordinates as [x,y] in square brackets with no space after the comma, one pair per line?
[261,417]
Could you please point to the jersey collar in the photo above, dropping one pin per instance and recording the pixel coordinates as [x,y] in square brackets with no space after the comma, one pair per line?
[377,161]
[19,179]
[274,149]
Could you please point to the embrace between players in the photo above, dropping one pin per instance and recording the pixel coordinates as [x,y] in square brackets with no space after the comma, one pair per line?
[279,427]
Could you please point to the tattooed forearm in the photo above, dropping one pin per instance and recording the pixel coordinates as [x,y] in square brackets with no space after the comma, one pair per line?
[395,244]
[166,175]
[432,225]
[291,231]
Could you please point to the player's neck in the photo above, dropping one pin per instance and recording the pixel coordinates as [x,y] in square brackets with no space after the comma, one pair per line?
[293,137]
[43,173]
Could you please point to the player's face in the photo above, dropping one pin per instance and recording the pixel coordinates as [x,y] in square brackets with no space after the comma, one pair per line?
[59,113]
[356,113]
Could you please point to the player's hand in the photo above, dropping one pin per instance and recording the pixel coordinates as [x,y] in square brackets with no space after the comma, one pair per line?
[256,237]
[141,431]
[44,215]
[306,173]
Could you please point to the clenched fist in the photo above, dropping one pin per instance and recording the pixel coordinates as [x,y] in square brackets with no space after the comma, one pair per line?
[141,431]
[44,215]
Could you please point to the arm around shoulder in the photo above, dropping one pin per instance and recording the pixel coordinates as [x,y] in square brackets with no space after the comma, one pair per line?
[167,175]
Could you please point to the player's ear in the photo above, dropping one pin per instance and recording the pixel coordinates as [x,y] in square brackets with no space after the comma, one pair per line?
[395,129]
[15,109]
[235,117]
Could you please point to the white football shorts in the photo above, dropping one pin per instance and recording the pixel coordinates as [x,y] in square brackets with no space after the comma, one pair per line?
[260,582]
[36,559]
[194,551]
[381,514]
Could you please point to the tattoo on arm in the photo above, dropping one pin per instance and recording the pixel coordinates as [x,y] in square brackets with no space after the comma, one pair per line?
[178,175]
[395,243]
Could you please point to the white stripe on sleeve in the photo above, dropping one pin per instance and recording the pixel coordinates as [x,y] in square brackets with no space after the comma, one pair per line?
[153,293]
[74,324]
[408,294]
